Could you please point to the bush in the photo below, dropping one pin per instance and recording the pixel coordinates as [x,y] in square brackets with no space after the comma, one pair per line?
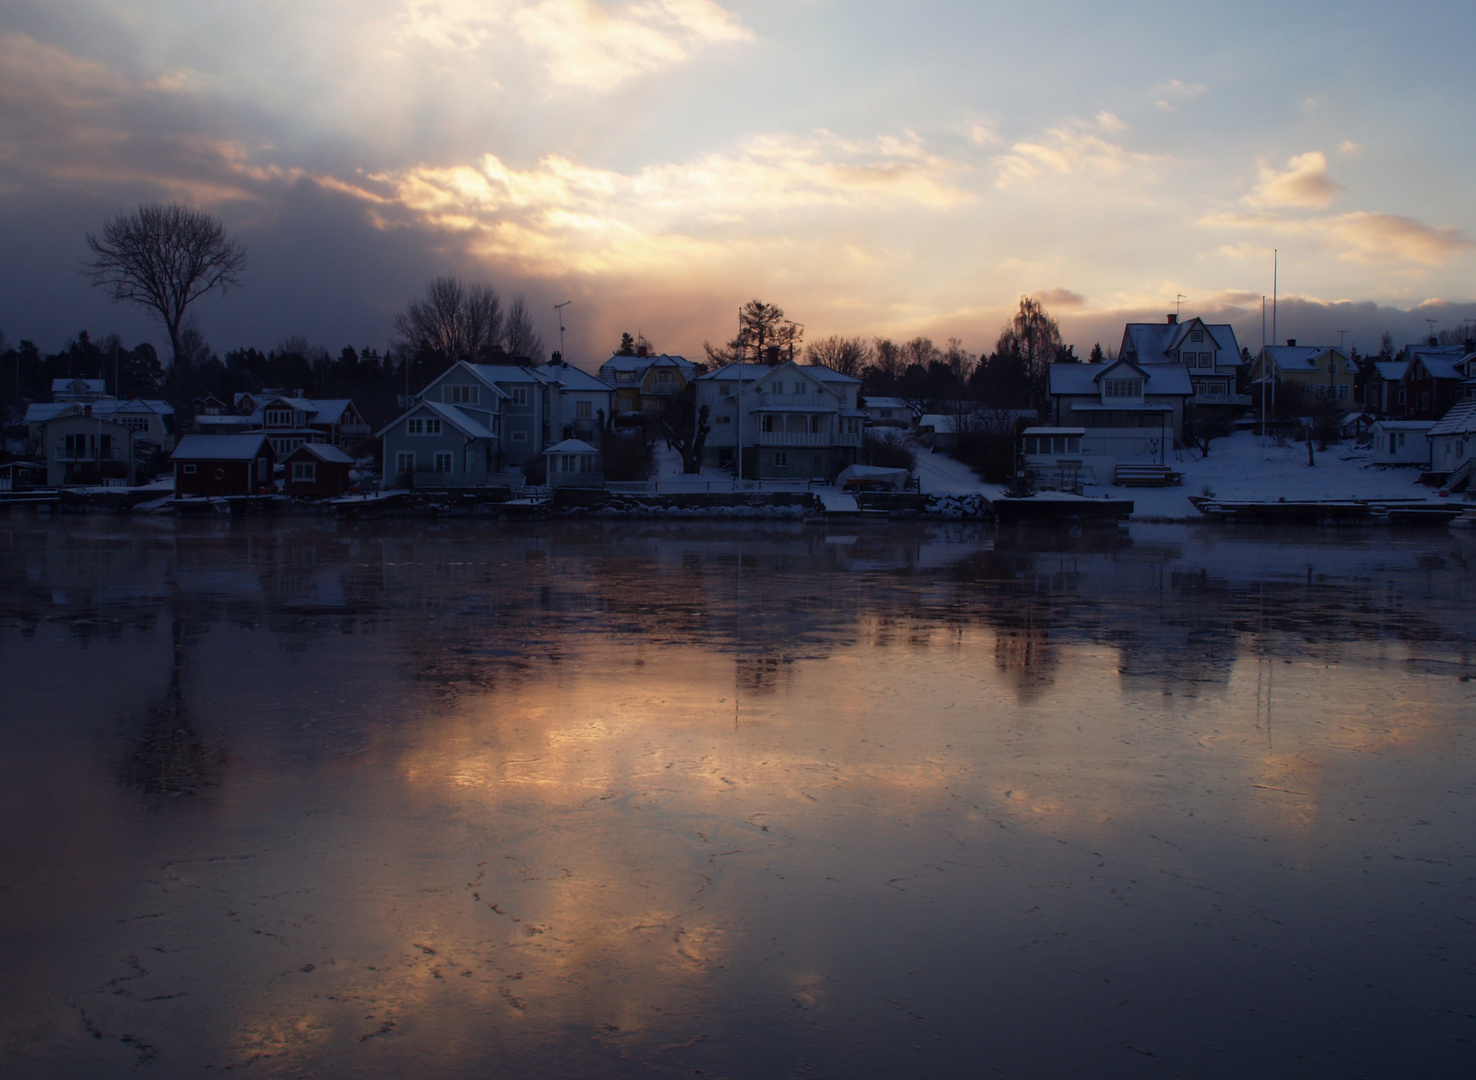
[988,447]
[889,450]
[626,455]
[535,470]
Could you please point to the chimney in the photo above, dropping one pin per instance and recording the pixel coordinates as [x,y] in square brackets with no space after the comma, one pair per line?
[1434,341]
[1292,342]
[556,359]
[1173,319]
[642,351]
[87,410]
[771,355]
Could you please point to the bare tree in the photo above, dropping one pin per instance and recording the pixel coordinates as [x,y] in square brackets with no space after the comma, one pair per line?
[1035,338]
[520,339]
[848,355]
[165,256]
[453,322]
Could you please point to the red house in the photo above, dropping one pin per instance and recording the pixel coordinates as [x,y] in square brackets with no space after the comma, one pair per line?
[316,471]
[223,464]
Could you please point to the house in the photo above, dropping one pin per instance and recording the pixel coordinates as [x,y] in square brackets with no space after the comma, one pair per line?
[82,448]
[574,463]
[887,412]
[441,446]
[1433,379]
[1387,390]
[1053,455]
[643,383]
[579,402]
[1401,442]
[223,464]
[152,421]
[789,421]
[316,471]
[83,390]
[1128,411]
[1209,351]
[1324,373]
[1453,442]
[290,420]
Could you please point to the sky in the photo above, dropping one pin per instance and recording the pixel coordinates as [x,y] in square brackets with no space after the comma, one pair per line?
[874,168]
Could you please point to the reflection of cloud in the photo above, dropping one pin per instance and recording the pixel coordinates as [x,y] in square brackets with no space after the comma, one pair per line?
[1304,182]
[1066,151]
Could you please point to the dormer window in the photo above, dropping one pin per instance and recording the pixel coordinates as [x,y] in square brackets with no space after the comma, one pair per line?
[1122,388]
[279,417]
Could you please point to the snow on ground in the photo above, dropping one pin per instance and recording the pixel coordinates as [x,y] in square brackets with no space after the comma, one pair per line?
[937,472]
[1250,466]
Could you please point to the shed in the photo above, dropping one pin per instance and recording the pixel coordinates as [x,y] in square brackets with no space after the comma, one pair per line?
[223,464]
[873,478]
[574,463]
[316,471]
[1401,442]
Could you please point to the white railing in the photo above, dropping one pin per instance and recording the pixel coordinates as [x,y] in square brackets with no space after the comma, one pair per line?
[1222,399]
[796,438]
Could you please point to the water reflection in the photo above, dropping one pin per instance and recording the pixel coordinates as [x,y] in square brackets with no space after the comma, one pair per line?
[641,798]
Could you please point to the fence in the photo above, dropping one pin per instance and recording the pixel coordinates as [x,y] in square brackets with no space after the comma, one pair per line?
[690,484]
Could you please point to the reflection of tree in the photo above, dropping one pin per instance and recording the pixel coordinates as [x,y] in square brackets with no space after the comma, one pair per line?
[169,759]
[1024,652]
[760,674]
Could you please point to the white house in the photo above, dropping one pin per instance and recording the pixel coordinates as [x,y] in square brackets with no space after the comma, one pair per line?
[1401,442]
[789,421]
[1209,351]
[888,412]
[1453,441]
[574,463]
[1128,411]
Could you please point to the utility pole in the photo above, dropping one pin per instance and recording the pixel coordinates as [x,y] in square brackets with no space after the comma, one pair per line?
[559,314]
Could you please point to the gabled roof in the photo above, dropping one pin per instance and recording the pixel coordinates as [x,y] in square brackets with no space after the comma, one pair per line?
[1460,420]
[1155,343]
[1305,359]
[577,379]
[1442,365]
[644,363]
[885,403]
[1084,379]
[571,446]
[241,447]
[323,452]
[749,374]
[79,386]
[463,423]
[1391,370]
[506,373]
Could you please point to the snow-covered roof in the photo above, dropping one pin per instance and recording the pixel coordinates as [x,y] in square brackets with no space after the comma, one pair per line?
[463,422]
[1391,370]
[223,423]
[1054,431]
[571,446]
[1442,365]
[79,386]
[885,403]
[1156,343]
[241,447]
[40,411]
[1084,379]
[751,373]
[1305,359]
[576,379]
[323,452]
[510,373]
[644,363]
[1461,420]
[1402,425]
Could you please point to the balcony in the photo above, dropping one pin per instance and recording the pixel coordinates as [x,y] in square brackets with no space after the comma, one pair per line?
[1241,400]
[807,438]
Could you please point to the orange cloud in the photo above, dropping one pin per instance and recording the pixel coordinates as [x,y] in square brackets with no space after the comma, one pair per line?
[1303,183]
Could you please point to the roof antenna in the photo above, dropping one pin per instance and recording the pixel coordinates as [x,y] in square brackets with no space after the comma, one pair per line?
[1179,298]
[559,310]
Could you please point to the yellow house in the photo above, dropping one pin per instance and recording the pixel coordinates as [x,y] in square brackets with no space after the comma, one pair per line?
[642,382]
[1323,371]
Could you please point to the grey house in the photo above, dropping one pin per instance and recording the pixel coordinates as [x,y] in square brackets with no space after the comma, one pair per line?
[439,445]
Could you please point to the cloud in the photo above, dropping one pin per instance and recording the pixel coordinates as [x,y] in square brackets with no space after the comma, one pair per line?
[1109,122]
[1373,238]
[1168,93]
[1349,148]
[1061,298]
[1303,183]
[1062,151]
[559,215]
[588,44]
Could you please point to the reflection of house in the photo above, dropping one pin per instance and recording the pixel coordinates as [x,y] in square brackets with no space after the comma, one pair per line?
[642,382]
[1323,372]
[1126,410]
[84,449]
[789,421]
[573,463]
[223,464]
[1401,442]
[316,471]
[1209,351]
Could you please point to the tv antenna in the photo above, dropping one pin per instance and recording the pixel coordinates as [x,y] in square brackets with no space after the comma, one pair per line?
[1179,298]
[559,311]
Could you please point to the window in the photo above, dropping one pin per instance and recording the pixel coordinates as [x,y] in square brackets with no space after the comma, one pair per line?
[423,425]
[1343,392]
[304,472]
[188,470]
[1122,387]
[443,463]
[724,420]
[520,395]
[279,417]
[519,436]
[584,410]
[405,461]
[886,414]
[137,423]
[665,378]
[461,395]
[1402,392]
[781,459]
[1196,335]
[768,423]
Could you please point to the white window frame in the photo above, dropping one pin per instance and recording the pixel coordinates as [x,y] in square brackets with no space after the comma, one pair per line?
[443,463]
[405,461]
[583,410]
[304,472]
[520,395]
